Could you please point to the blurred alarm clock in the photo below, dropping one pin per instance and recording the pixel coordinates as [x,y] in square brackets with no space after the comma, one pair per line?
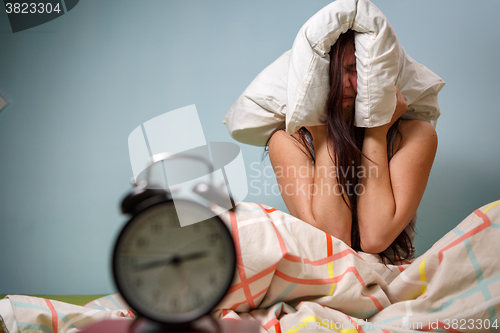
[169,274]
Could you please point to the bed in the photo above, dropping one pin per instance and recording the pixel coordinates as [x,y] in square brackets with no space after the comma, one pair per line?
[293,277]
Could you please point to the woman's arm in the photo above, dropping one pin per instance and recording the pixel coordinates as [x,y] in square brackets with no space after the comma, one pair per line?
[393,190]
[390,192]
[329,209]
[308,188]
[288,157]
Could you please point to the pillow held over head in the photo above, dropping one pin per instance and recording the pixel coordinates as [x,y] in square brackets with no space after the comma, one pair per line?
[261,109]
[292,91]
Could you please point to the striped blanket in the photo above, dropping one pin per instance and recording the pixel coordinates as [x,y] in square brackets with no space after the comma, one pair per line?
[293,277]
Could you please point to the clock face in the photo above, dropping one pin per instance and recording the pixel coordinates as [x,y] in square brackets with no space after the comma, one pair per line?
[169,273]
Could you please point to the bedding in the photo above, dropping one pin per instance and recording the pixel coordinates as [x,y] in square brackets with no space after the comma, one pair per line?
[292,91]
[293,277]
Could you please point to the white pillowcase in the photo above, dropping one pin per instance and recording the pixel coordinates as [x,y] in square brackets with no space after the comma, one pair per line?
[292,91]
[261,109]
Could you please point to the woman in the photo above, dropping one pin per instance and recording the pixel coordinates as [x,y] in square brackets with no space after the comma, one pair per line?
[363,185]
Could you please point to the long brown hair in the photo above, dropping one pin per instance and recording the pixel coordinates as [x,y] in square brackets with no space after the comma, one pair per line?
[345,149]
[346,143]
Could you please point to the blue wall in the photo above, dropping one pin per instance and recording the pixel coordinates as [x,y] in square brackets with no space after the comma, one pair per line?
[78,85]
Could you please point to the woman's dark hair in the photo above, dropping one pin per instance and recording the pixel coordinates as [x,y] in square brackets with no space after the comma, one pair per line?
[346,142]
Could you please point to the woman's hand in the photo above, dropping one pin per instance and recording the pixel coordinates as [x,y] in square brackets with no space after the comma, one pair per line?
[401,108]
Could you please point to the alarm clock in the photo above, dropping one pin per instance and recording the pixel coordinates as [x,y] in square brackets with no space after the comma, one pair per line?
[169,274]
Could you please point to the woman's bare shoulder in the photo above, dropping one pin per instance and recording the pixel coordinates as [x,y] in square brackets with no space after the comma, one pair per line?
[418,128]
[418,131]
[286,145]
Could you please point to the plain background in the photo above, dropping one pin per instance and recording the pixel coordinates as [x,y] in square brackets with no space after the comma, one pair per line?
[78,86]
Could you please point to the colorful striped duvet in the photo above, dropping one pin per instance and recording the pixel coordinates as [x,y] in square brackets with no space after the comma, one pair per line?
[293,277]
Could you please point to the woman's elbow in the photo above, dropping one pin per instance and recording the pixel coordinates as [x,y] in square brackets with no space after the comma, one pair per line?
[374,244]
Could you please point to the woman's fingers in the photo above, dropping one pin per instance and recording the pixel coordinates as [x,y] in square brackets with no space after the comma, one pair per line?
[401,106]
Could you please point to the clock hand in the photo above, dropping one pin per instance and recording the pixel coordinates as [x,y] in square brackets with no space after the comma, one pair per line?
[174,260]
[193,256]
[154,263]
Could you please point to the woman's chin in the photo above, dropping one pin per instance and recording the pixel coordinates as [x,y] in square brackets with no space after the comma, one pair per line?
[348,112]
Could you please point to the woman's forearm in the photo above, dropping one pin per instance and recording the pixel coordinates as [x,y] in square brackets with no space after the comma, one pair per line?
[331,214]
[379,219]
[376,191]
[376,201]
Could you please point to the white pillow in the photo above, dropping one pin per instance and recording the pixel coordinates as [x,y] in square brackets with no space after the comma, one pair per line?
[261,109]
[300,93]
